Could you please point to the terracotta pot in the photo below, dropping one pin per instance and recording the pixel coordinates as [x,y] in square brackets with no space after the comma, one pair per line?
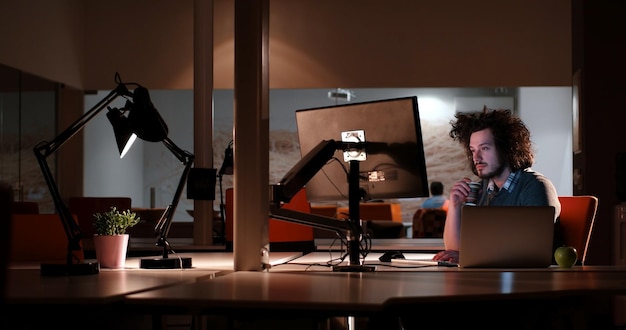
[111,250]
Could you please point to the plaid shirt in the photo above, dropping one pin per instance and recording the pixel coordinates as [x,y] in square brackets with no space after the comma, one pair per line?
[509,184]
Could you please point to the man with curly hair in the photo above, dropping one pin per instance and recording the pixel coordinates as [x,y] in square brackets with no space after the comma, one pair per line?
[500,151]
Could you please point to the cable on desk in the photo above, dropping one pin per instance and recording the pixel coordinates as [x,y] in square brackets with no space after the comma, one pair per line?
[180,259]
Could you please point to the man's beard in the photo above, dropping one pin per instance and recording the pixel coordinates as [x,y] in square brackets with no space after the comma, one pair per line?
[486,176]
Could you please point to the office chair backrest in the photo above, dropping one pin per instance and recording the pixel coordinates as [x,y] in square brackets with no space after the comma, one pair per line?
[577,218]
[24,207]
[85,207]
[39,237]
[374,211]
[279,230]
[282,231]
[429,223]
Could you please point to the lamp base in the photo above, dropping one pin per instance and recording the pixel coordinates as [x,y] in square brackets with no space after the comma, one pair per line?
[165,263]
[63,269]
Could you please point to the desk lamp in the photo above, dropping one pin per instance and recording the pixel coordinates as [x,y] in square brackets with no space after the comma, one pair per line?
[73,264]
[143,121]
[225,169]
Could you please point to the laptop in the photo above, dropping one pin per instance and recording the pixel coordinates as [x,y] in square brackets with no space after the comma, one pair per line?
[503,237]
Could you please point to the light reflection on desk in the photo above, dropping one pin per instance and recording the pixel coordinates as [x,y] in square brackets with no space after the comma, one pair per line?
[506,282]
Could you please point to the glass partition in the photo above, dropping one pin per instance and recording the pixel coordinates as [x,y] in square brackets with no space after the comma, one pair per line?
[445,159]
[27,116]
[28,106]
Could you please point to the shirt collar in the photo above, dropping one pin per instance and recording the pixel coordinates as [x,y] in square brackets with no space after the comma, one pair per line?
[509,184]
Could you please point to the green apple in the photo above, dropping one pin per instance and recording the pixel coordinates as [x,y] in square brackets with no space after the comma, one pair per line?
[566,256]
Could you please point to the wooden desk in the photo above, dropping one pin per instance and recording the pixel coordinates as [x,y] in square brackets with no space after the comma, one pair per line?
[97,301]
[27,286]
[85,302]
[338,293]
[211,288]
[461,297]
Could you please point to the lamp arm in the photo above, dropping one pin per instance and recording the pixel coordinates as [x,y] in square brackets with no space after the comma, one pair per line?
[50,147]
[45,149]
[162,227]
[71,228]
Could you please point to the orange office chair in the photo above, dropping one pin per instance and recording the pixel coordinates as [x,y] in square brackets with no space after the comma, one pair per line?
[282,235]
[577,217]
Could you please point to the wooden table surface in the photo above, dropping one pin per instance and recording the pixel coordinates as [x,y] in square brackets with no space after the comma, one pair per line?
[348,293]
[26,285]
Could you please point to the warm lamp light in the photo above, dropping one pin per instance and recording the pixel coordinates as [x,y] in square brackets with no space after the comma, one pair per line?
[124,135]
[129,143]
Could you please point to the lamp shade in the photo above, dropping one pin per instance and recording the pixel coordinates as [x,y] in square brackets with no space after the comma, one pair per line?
[124,135]
[144,118]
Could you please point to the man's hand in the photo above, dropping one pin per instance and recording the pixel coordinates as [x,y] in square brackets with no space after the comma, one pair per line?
[447,255]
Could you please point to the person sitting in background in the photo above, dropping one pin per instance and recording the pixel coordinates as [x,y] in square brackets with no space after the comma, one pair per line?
[500,153]
[436,199]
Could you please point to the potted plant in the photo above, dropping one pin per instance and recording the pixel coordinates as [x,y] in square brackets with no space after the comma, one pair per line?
[111,239]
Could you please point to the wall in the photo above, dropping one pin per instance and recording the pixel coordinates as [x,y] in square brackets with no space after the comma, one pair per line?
[599,54]
[403,43]
[551,134]
[45,38]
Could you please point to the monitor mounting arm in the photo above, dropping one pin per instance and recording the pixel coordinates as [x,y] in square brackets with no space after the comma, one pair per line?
[300,174]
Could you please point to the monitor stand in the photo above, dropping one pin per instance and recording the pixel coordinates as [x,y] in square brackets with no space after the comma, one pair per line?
[354,238]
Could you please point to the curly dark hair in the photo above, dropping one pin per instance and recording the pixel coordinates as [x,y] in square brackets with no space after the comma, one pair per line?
[512,137]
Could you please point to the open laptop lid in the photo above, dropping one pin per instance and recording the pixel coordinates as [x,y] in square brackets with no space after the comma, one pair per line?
[506,236]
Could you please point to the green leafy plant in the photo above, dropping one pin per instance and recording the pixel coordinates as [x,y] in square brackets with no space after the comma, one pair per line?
[114,222]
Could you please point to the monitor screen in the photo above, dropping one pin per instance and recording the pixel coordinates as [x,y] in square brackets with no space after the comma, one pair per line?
[391,165]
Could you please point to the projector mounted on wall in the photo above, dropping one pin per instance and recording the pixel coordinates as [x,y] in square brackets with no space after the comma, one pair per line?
[341,94]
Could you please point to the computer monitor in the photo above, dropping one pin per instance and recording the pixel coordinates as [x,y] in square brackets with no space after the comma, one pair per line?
[391,164]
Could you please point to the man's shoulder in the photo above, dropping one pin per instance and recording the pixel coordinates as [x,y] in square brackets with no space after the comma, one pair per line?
[530,174]
[531,179]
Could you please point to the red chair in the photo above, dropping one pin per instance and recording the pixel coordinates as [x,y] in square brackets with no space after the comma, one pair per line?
[85,207]
[39,237]
[577,218]
[429,223]
[23,207]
